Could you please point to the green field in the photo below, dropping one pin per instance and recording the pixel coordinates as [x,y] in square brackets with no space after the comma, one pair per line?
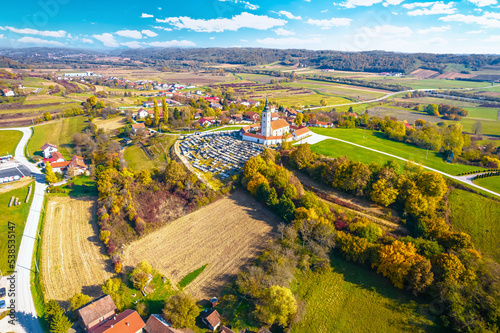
[416,83]
[46,100]
[9,141]
[16,215]
[491,183]
[435,100]
[378,141]
[137,159]
[62,106]
[59,133]
[82,186]
[492,89]
[229,128]
[352,298]
[308,100]
[490,127]
[479,217]
[483,113]
[336,90]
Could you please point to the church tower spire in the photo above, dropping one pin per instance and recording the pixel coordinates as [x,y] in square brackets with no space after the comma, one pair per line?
[266,120]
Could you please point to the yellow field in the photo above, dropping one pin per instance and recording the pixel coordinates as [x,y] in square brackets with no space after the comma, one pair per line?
[110,124]
[73,256]
[225,235]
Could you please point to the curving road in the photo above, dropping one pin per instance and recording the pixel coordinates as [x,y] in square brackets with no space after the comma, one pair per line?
[315,138]
[26,316]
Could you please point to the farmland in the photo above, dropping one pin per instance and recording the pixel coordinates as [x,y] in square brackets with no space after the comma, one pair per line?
[333,89]
[73,257]
[16,215]
[225,236]
[137,159]
[378,141]
[479,217]
[110,123]
[9,141]
[59,133]
[351,298]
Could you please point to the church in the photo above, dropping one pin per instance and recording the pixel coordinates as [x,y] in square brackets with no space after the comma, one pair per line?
[272,132]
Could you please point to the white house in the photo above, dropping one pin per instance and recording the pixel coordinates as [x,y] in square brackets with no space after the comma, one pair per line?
[8,93]
[48,149]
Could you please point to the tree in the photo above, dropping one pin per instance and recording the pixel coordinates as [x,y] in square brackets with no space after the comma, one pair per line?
[112,286]
[156,114]
[141,275]
[78,300]
[302,157]
[453,138]
[181,310]
[177,114]
[352,247]
[148,121]
[92,100]
[257,180]
[323,102]
[449,267]
[432,109]
[100,105]
[276,306]
[478,128]
[174,172]
[432,184]
[299,119]
[60,323]
[396,260]
[50,176]
[286,208]
[118,267]
[164,109]
[420,277]
[383,193]
[47,116]
[253,165]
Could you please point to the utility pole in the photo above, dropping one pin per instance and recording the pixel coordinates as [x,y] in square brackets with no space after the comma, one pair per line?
[427,152]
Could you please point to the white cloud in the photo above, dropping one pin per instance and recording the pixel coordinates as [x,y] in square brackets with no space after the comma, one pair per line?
[133,45]
[243,20]
[483,3]
[288,15]
[107,39]
[28,31]
[433,8]
[290,41]
[212,37]
[2,36]
[159,8]
[487,20]
[149,33]
[433,30]
[476,32]
[333,22]
[367,3]
[244,40]
[130,34]
[162,28]
[144,15]
[246,4]
[39,41]
[418,4]
[87,40]
[324,11]
[387,31]
[284,32]
[494,39]
[173,43]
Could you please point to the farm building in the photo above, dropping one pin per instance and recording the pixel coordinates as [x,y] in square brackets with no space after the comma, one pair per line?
[136,127]
[211,319]
[96,312]
[225,329]
[8,93]
[128,321]
[48,149]
[158,324]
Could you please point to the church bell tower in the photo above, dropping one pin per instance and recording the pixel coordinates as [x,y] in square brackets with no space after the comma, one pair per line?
[266,120]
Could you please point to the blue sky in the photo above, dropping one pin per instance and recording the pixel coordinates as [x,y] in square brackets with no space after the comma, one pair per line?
[471,26]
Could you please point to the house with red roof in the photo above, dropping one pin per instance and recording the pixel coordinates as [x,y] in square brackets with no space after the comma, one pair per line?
[128,321]
[8,93]
[136,127]
[207,121]
[48,149]
[55,157]
[252,116]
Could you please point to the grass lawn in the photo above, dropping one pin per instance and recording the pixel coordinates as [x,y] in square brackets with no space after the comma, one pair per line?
[479,217]
[137,159]
[61,106]
[490,127]
[484,113]
[308,100]
[81,186]
[377,140]
[13,218]
[59,133]
[191,276]
[230,128]
[9,141]
[416,83]
[352,298]
[491,183]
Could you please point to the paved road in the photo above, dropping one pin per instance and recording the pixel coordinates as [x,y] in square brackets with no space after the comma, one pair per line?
[315,138]
[27,320]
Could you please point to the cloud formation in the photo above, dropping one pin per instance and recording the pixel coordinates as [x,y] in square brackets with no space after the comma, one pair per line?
[333,22]
[483,3]
[28,31]
[433,30]
[149,33]
[106,39]
[144,15]
[130,34]
[172,43]
[431,8]
[288,15]
[284,32]
[245,4]
[39,41]
[243,20]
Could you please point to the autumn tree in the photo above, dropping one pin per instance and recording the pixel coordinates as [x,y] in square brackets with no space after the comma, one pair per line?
[253,165]
[276,306]
[174,172]
[156,114]
[299,118]
[47,116]
[449,267]
[78,300]
[148,121]
[323,102]
[432,184]
[164,109]
[257,180]
[396,261]
[302,157]
[141,275]
[92,100]
[352,247]
[383,193]
[432,109]
[477,128]
[420,276]
[50,176]
[181,310]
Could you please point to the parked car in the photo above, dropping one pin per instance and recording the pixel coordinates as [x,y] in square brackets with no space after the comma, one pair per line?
[1,180]
[2,293]
[17,177]
[11,178]
[5,179]
[2,304]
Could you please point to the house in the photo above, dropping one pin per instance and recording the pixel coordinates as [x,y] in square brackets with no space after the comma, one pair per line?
[96,312]
[59,166]
[237,117]
[316,123]
[128,321]
[275,116]
[158,324]
[214,99]
[142,113]
[291,113]
[301,133]
[8,93]
[211,319]
[225,329]
[352,114]
[150,104]
[252,116]
[48,149]
[55,157]
[136,127]
[206,121]
[214,301]
[77,165]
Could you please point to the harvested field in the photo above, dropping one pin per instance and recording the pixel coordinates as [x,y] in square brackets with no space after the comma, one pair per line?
[424,73]
[225,235]
[73,256]
[110,124]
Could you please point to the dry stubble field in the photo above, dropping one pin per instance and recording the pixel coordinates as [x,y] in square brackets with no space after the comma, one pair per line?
[225,235]
[73,257]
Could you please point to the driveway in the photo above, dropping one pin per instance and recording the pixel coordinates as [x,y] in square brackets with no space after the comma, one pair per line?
[26,317]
